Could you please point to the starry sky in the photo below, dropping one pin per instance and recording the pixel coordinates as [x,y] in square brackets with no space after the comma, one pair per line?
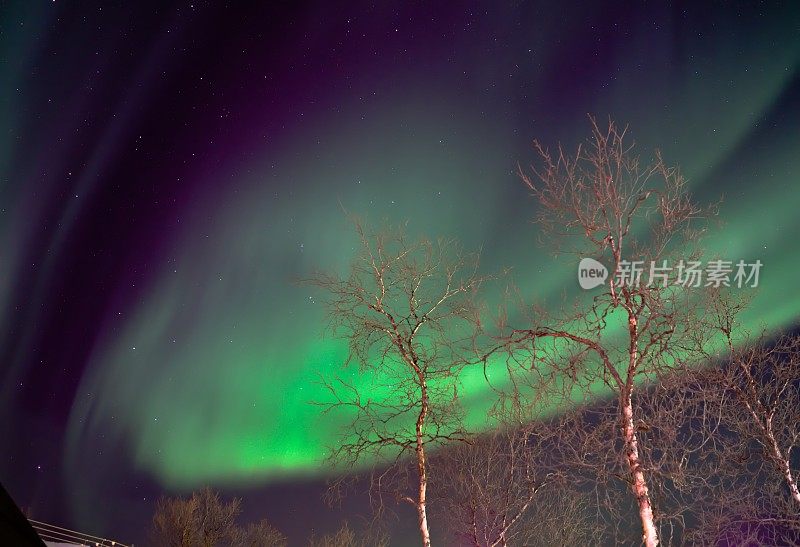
[168,170]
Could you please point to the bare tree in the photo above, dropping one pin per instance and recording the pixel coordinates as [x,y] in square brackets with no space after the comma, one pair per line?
[202,520]
[677,434]
[343,537]
[216,520]
[764,382]
[501,490]
[259,534]
[348,537]
[174,522]
[753,449]
[605,204]
[717,441]
[487,486]
[407,309]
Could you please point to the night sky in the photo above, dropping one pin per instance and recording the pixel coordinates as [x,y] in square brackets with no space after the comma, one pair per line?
[169,169]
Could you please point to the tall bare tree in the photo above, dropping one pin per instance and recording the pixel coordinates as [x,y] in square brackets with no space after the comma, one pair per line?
[408,312]
[643,323]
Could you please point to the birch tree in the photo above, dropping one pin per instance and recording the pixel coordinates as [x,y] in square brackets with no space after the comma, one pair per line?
[753,452]
[408,312]
[763,386]
[638,219]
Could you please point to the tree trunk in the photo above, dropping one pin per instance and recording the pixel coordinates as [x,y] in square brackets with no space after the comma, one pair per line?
[475,528]
[783,463]
[422,512]
[422,469]
[423,517]
[638,484]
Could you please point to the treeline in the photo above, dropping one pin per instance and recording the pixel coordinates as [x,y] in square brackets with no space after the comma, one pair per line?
[205,520]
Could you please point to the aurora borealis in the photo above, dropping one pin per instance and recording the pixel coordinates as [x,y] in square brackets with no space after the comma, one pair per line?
[168,171]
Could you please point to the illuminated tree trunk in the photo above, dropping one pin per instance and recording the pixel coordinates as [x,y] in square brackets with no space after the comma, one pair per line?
[638,483]
[763,418]
[422,469]
[422,503]
[783,462]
